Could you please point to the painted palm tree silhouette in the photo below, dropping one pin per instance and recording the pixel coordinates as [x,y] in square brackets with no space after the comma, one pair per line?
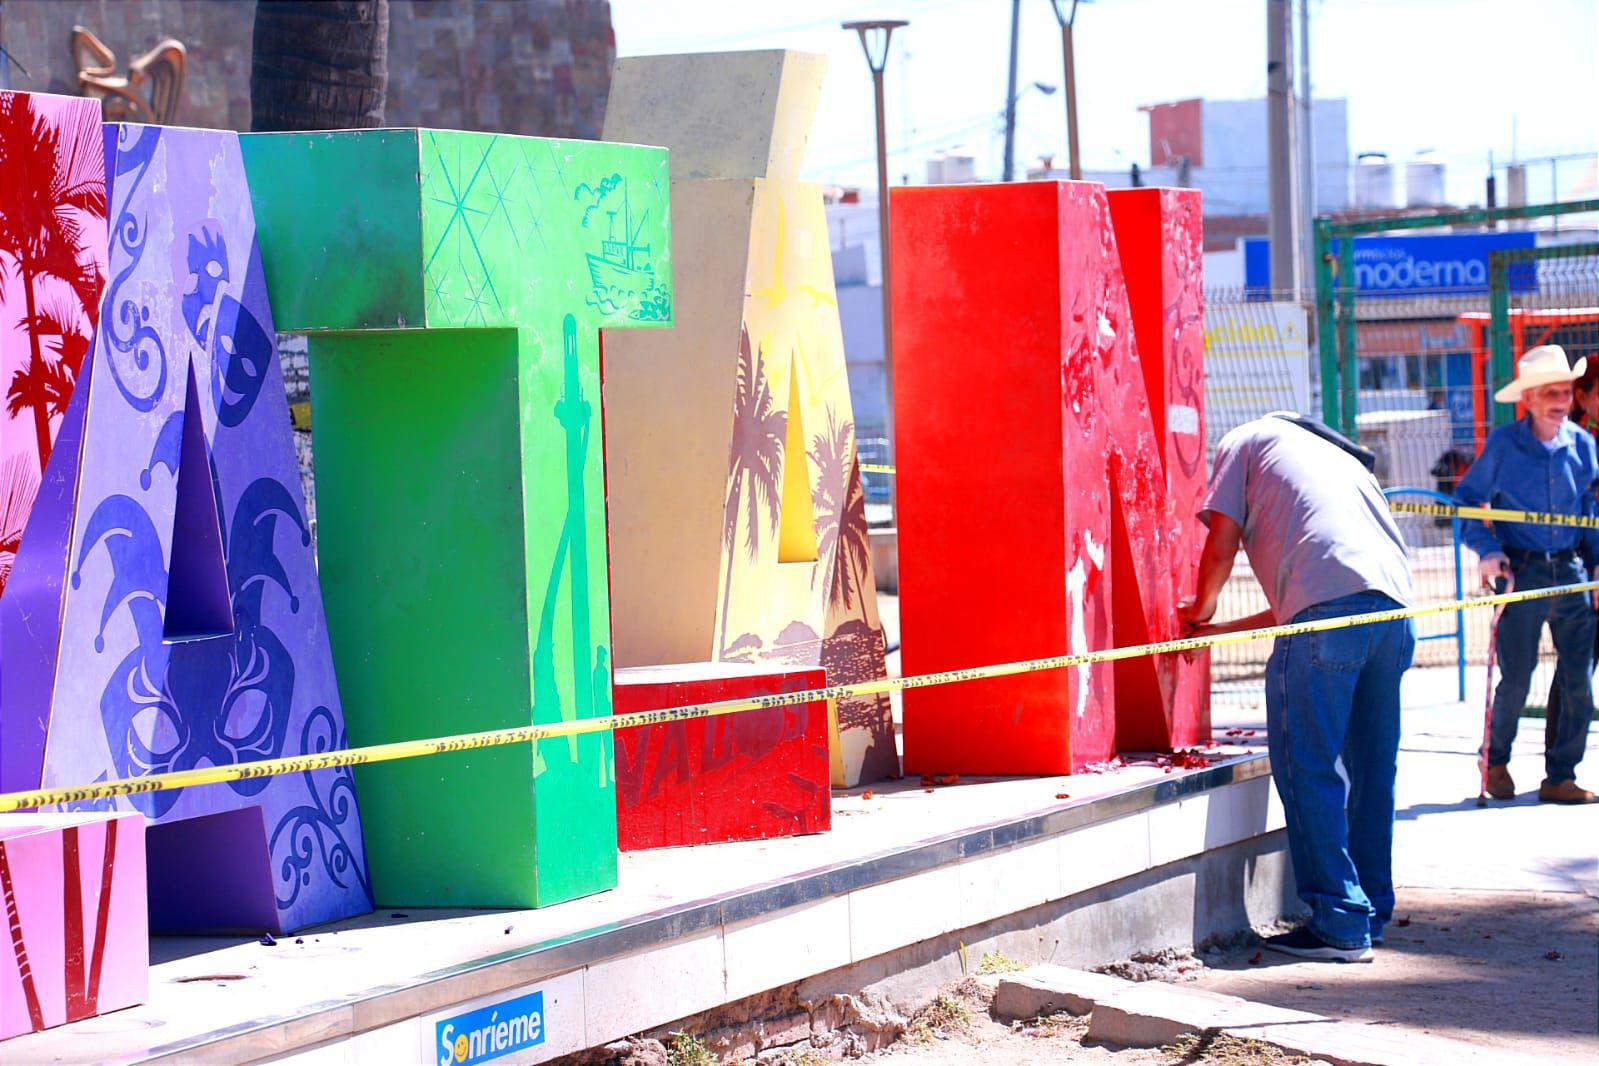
[19,484]
[840,504]
[39,227]
[43,384]
[19,947]
[61,318]
[755,471]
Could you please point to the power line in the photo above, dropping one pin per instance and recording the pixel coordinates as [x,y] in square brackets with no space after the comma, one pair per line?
[920,10]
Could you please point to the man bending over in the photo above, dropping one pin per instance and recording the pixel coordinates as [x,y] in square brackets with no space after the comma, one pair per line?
[1303,503]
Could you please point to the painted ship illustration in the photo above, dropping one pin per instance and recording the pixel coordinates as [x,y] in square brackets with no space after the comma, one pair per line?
[623,268]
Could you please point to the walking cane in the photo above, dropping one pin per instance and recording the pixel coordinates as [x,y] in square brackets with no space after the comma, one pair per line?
[1501,586]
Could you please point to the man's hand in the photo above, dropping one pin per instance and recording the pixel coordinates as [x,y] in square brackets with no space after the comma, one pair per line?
[1258,620]
[1493,566]
[1192,614]
[1207,628]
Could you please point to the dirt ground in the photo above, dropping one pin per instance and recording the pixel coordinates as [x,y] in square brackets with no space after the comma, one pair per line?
[1451,963]
[957,1030]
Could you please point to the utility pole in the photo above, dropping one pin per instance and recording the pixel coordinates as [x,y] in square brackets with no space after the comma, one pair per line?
[1066,14]
[1306,134]
[875,37]
[1282,222]
[1010,92]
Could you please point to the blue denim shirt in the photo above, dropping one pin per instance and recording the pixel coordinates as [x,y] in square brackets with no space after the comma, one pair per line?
[1517,472]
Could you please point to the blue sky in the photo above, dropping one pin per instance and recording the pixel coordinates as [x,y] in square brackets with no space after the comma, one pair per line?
[1450,75]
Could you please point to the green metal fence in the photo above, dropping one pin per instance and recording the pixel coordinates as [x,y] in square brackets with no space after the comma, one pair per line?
[1412,375]
[1337,294]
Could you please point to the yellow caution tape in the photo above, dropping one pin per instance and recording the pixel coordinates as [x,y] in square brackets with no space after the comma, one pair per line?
[1495,514]
[1439,510]
[406,749]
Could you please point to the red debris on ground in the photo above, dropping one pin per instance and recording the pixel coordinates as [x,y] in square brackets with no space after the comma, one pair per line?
[1254,960]
[1063,795]
[1553,956]
[1401,923]
[866,795]
[1186,759]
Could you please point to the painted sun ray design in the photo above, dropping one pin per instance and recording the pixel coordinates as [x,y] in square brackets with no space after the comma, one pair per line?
[458,222]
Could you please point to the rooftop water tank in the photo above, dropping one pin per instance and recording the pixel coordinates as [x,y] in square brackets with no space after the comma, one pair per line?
[1424,180]
[954,167]
[1374,181]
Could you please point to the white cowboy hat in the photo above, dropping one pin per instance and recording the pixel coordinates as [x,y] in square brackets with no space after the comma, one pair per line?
[1543,365]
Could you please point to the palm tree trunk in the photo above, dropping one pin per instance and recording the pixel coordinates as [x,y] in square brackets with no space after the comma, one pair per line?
[854,578]
[727,582]
[14,921]
[102,914]
[72,925]
[319,65]
[41,414]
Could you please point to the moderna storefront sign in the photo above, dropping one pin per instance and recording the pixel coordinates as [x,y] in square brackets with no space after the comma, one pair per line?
[1413,264]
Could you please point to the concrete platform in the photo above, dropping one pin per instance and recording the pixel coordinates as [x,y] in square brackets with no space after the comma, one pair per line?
[691,929]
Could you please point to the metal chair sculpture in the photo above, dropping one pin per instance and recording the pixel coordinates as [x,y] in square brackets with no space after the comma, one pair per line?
[151,90]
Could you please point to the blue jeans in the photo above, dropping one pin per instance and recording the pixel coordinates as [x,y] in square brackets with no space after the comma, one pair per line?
[1571,623]
[1332,694]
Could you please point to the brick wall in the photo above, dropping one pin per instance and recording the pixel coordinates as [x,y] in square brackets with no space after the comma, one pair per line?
[538,68]
[217,33]
[533,66]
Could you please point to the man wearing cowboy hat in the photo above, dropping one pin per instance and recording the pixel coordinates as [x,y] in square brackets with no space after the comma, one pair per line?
[1542,462]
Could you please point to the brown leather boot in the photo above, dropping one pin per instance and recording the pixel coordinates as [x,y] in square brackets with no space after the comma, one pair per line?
[1564,792]
[1500,786]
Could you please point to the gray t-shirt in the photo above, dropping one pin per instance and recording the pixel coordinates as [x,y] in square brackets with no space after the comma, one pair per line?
[1316,525]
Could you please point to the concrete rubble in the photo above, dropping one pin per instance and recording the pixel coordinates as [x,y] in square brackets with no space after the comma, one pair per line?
[1154,1014]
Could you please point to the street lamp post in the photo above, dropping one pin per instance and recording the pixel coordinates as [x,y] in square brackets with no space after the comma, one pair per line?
[874,37]
[1066,14]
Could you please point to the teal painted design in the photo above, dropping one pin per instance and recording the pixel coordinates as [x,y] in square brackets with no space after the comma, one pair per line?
[494,206]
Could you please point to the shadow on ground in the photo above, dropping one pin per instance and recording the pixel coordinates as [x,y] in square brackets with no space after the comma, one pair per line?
[1512,969]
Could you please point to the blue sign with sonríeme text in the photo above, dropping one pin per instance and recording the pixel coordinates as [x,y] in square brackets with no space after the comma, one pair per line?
[491,1032]
[1411,264]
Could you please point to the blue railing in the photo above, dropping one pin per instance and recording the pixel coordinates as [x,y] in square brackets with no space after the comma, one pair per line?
[1459,633]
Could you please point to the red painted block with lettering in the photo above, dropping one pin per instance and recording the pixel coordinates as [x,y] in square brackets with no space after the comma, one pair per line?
[744,776]
[1164,701]
[1001,441]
